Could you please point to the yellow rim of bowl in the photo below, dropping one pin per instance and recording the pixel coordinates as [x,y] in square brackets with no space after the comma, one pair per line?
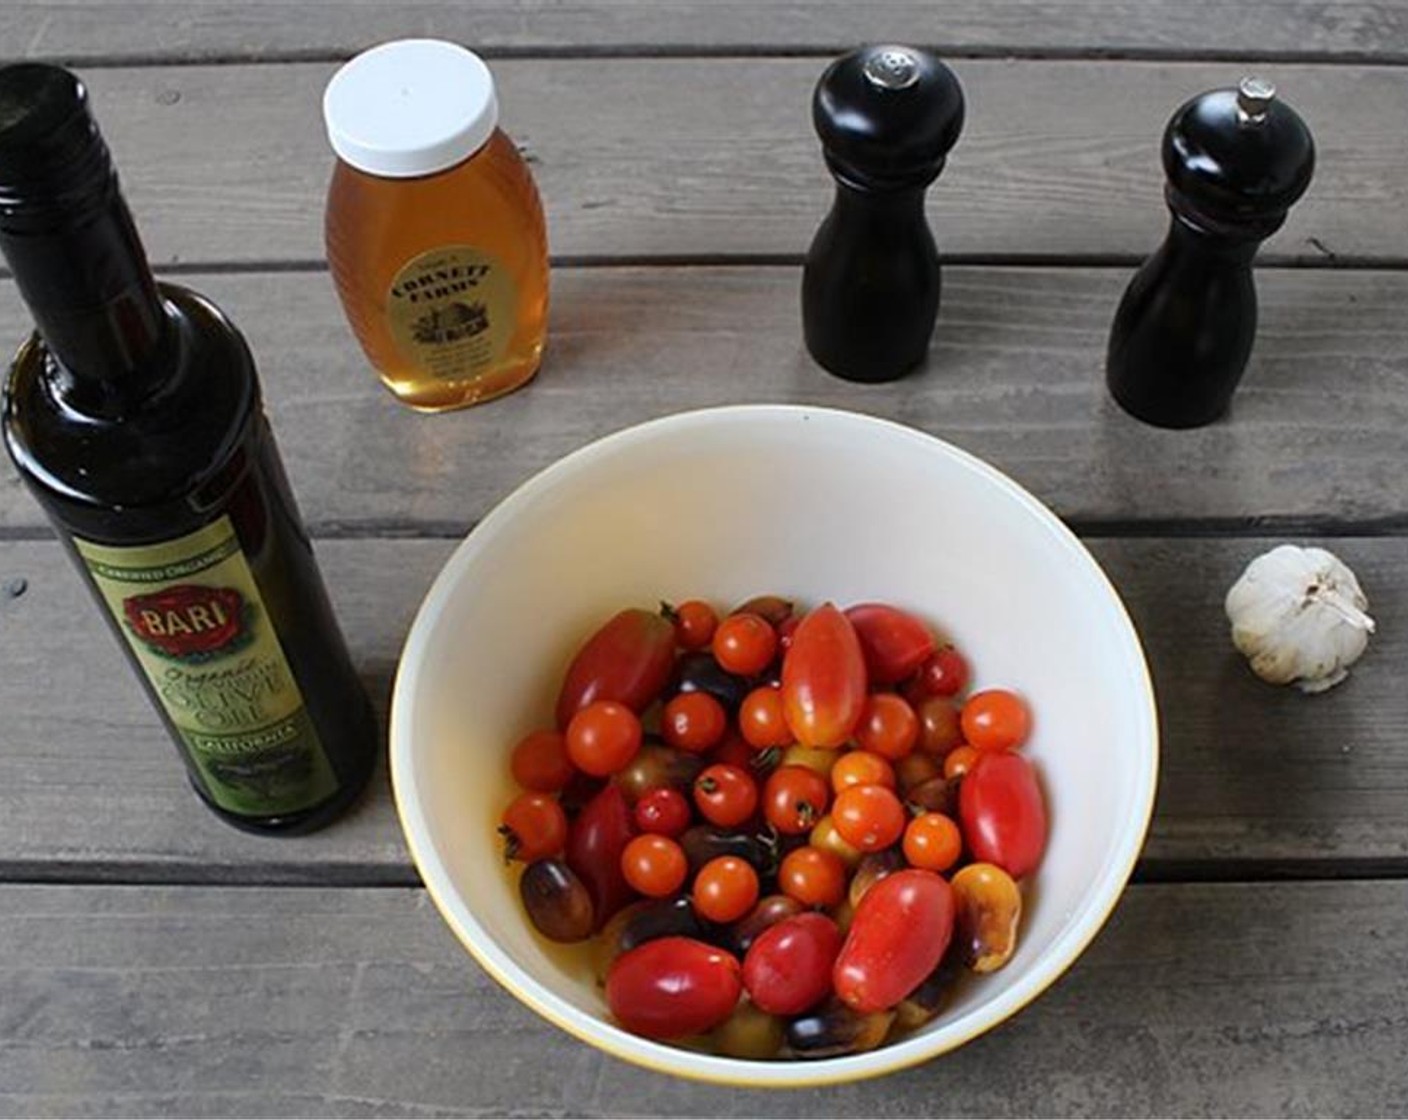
[742,1073]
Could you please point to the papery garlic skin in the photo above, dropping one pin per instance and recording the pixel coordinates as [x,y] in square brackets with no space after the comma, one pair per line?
[1299,615]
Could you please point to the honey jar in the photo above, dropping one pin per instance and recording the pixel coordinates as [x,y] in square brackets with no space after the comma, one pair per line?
[434,230]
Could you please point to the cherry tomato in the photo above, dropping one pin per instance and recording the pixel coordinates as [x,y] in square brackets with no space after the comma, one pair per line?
[735,752]
[595,840]
[534,826]
[820,759]
[996,720]
[695,622]
[813,877]
[693,722]
[603,738]
[725,889]
[888,726]
[861,768]
[932,841]
[794,799]
[939,731]
[657,766]
[761,721]
[726,795]
[1003,812]
[673,987]
[628,660]
[959,761]
[823,679]
[900,932]
[788,968]
[786,629]
[772,609]
[895,644]
[916,768]
[654,865]
[869,817]
[744,644]
[944,674]
[539,762]
[664,812]
[825,837]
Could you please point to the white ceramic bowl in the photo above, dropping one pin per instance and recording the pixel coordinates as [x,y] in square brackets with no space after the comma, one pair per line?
[810,503]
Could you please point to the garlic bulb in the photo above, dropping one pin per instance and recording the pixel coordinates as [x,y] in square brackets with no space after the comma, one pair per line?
[1298,614]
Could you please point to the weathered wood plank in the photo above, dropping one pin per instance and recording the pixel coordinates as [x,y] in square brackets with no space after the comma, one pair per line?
[1233,1000]
[69,29]
[1249,773]
[1320,427]
[640,157]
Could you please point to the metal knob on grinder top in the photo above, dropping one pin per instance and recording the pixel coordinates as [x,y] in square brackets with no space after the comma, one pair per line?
[887,117]
[1236,160]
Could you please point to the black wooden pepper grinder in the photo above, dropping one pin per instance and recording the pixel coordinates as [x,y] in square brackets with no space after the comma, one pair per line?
[1236,160]
[887,117]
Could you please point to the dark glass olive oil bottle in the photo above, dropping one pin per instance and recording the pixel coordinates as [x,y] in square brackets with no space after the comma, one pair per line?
[134,416]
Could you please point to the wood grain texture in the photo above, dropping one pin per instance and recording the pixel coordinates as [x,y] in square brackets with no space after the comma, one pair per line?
[1233,1000]
[702,158]
[1319,428]
[69,30]
[89,785]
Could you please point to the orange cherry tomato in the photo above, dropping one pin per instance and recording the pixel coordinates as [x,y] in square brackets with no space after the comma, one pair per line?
[823,679]
[725,795]
[996,720]
[693,722]
[603,738]
[888,726]
[725,889]
[695,622]
[534,827]
[654,865]
[812,876]
[794,799]
[862,768]
[539,762]
[959,761]
[932,841]
[744,644]
[761,720]
[869,817]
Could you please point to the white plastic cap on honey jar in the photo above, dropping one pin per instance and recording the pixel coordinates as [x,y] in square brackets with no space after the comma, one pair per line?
[410,107]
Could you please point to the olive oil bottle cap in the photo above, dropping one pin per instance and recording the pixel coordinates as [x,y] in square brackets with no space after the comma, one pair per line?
[410,107]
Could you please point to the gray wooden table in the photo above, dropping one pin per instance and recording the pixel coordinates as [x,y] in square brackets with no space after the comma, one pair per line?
[154,961]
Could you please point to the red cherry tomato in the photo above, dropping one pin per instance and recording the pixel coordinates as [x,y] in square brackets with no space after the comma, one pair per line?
[761,720]
[733,751]
[898,936]
[725,795]
[869,817]
[539,762]
[888,726]
[1003,812]
[595,841]
[895,644]
[788,967]
[654,865]
[744,644]
[628,660]
[695,622]
[725,889]
[813,876]
[823,679]
[664,812]
[534,827]
[603,738]
[995,720]
[794,799]
[944,674]
[673,987]
[693,722]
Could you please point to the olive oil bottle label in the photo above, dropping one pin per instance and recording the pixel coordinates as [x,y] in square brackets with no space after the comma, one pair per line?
[193,617]
[452,311]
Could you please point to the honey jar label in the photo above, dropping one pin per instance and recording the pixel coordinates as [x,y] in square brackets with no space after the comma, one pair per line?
[193,617]
[452,311]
